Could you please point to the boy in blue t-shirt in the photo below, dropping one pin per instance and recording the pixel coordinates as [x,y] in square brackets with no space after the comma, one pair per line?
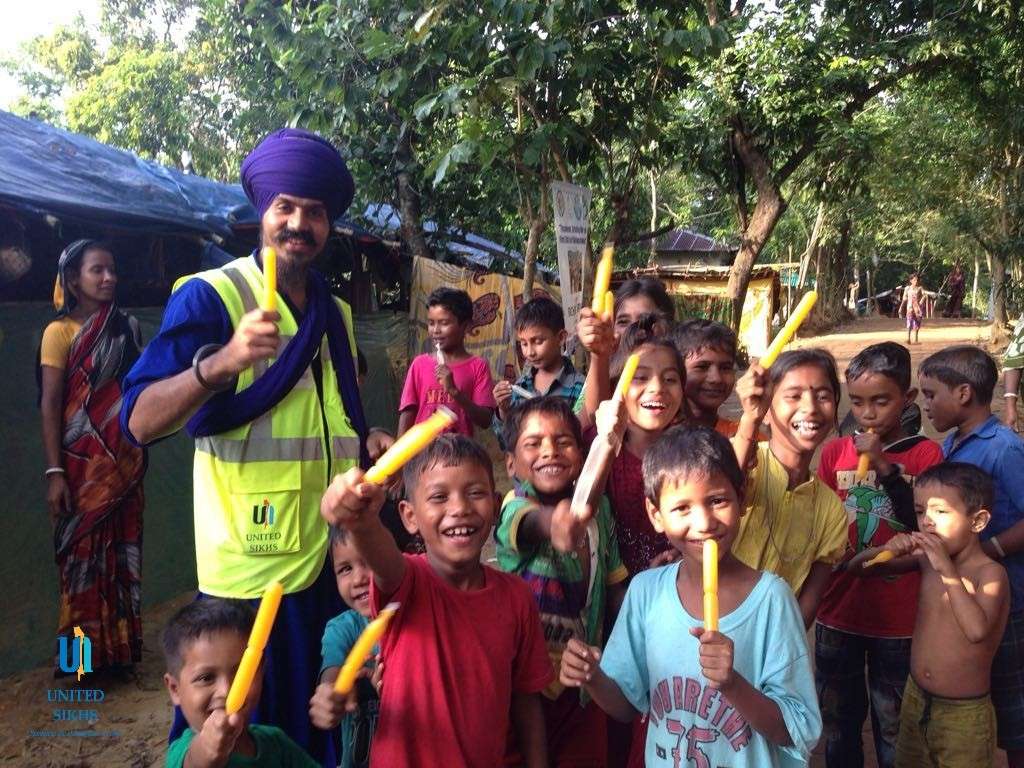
[740,696]
[203,646]
[957,385]
[571,565]
[356,712]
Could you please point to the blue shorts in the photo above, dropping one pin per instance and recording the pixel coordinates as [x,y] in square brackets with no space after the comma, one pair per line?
[1008,684]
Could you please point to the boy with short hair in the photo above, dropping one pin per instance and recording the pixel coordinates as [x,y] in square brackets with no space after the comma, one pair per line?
[957,384]
[708,349]
[356,712]
[870,620]
[739,695]
[203,645]
[946,717]
[464,652]
[448,375]
[571,564]
[540,334]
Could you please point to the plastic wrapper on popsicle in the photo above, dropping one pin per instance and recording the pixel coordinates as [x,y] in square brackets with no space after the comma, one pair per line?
[261,627]
[270,279]
[863,463]
[710,585]
[408,445]
[604,448]
[882,557]
[362,649]
[789,330]
[602,279]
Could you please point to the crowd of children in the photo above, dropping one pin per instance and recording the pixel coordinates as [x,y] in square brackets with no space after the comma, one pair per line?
[907,558]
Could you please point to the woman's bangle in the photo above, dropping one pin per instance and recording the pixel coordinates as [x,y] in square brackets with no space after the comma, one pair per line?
[54,471]
[1010,394]
[998,547]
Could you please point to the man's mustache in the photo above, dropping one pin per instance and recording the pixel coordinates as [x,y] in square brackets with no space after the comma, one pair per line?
[302,235]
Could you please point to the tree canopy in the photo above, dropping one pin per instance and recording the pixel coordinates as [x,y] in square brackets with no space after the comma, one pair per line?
[847,135]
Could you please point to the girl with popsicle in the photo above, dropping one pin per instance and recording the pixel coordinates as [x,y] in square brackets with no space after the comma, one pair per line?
[739,695]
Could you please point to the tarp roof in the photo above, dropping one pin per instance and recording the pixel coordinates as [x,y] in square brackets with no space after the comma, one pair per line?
[689,241]
[473,248]
[48,170]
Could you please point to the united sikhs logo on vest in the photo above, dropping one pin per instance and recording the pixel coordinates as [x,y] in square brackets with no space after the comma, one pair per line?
[75,654]
[263,514]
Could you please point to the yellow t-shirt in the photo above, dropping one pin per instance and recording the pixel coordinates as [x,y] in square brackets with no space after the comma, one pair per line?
[786,531]
[57,340]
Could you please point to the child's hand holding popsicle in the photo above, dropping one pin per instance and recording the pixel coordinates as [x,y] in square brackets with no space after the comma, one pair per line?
[351,500]
[568,529]
[716,658]
[213,745]
[596,333]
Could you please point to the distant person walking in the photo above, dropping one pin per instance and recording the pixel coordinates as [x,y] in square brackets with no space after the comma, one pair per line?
[956,284]
[94,474]
[913,300]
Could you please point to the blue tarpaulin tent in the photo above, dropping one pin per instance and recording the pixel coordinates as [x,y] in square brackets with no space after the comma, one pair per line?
[47,170]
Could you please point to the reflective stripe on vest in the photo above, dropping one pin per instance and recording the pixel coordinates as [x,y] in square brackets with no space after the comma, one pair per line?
[258,487]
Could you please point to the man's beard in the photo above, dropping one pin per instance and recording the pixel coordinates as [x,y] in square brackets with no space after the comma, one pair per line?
[288,271]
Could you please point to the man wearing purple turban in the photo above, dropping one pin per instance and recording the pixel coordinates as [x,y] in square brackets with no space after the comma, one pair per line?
[270,398]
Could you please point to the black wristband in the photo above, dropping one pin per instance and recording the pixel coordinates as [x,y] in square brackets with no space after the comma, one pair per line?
[201,354]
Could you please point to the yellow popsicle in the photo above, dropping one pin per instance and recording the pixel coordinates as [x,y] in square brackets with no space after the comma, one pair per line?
[789,329]
[362,649]
[609,306]
[409,444]
[628,372]
[602,279]
[254,650]
[863,462]
[711,585]
[270,279]
[882,557]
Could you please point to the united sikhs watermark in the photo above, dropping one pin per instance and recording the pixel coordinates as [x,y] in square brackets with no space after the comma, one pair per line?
[78,705]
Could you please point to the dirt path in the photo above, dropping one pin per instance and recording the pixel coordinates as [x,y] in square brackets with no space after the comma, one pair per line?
[138,709]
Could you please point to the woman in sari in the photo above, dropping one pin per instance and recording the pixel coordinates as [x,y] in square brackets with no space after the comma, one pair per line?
[93,475]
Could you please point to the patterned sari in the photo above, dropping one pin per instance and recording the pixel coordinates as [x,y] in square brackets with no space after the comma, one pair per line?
[99,545]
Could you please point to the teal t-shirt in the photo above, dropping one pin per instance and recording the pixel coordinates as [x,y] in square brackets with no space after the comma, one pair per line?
[568,606]
[357,727]
[273,750]
[654,659]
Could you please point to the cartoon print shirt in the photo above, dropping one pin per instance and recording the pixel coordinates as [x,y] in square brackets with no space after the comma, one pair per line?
[882,606]
[423,392]
[653,658]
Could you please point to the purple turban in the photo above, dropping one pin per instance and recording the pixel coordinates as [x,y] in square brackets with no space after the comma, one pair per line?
[292,161]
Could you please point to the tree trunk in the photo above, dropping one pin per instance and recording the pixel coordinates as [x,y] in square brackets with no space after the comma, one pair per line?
[766,215]
[536,229]
[654,217]
[411,230]
[998,293]
[767,211]
[832,282]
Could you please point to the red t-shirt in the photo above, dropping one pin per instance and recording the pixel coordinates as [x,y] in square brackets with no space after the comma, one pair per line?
[423,392]
[876,606]
[452,661]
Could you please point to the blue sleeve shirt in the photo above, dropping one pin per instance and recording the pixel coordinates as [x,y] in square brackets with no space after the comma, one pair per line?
[194,316]
[998,450]
[654,660]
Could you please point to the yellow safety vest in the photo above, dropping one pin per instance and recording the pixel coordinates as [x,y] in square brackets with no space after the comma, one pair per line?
[258,487]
